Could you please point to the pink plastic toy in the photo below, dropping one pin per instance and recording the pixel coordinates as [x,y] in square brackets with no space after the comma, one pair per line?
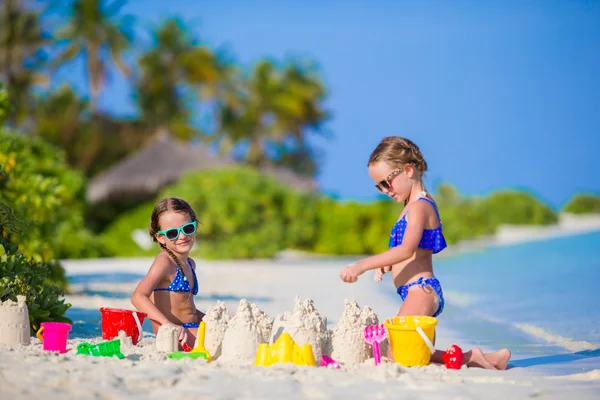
[326,361]
[54,336]
[375,334]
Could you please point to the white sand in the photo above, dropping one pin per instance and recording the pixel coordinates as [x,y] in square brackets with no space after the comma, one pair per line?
[29,372]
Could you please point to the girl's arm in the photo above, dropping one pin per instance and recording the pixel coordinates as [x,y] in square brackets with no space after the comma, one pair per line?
[141,295]
[412,236]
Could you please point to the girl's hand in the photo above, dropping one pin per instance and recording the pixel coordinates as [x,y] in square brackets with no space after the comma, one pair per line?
[182,334]
[378,273]
[350,273]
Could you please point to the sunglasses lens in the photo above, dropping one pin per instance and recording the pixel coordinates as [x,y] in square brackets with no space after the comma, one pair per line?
[189,229]
[172,234]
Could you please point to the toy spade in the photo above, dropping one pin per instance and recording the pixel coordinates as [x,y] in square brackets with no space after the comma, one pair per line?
[200,342]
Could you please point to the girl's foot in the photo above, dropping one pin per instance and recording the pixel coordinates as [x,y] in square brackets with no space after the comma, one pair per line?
[499,359]
[477,359]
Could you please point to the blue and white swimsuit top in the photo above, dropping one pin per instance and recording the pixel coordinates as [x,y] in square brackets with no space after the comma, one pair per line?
[432,239]
[180,282]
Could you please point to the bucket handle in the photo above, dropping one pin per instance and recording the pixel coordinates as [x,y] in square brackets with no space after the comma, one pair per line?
[426,339]
[139,325]
[39,334]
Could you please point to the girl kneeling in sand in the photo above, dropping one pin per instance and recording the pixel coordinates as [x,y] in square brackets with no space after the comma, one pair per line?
[397,167]
[166,292]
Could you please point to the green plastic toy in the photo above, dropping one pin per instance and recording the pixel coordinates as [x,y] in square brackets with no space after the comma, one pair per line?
[103,349]
[178,355]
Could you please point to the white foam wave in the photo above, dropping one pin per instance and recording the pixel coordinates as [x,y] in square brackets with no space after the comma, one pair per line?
[460,299]
[562,341]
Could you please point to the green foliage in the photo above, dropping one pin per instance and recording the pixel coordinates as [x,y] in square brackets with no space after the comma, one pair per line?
[248,215]
[117,237]
[583,204]
[20,276]
[243,214]
[37,185]
[518,208]
[4,105]
[353,228]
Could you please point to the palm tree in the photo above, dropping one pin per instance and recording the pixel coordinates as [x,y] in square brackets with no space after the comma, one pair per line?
[301,111]
[95,31]
[275,111]
[171,74]
[22,40]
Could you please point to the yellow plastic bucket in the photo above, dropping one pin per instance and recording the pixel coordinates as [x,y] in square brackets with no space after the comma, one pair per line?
[409,348]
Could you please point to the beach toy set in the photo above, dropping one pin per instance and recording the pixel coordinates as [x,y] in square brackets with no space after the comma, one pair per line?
[103,349]
[54,336]
[284,350]
[375,334]
[453,357]
[411,339]
[198,351]
[116,319]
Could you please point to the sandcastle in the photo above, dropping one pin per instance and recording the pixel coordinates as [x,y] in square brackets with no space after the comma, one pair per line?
[348,343]
[305,325]
[14,322]
[238,338]
[217,320]
[246,330]
[166,338]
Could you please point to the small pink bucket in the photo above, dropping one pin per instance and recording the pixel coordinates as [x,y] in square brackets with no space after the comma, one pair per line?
[54,336]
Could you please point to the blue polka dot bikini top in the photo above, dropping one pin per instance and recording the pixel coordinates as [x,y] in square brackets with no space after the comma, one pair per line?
[180,282]
[432,239]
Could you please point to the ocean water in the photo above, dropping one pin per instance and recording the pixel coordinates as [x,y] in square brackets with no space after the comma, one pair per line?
[537,298]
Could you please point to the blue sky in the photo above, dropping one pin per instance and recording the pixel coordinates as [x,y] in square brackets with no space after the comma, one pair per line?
[498,94]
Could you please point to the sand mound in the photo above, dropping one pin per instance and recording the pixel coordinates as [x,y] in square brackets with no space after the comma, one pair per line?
[14,322]
[347,340]
[166,338]
[305,325]
[217,320]
[244,333]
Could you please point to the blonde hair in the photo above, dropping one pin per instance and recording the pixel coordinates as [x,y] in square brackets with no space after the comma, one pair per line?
[397,152]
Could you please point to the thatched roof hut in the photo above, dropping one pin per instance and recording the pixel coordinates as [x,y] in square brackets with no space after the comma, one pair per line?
[162,162]
[148,170]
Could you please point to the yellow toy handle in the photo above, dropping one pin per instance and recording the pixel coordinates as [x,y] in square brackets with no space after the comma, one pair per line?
[39,334]
[201,332]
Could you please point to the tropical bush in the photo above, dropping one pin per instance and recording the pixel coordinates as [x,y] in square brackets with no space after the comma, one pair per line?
[37,185]
[248,215]
[243,214]
[23,276]
[583,204]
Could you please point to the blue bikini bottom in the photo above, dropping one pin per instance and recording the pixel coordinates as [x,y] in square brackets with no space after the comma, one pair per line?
[422,282]
[191,325]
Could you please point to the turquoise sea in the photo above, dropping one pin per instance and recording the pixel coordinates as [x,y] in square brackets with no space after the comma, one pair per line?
[540,299]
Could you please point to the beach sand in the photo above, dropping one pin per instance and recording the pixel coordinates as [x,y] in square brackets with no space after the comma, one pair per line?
[29,373]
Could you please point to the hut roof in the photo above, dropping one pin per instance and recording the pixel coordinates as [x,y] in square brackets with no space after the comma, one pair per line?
[160,163]
[163,161]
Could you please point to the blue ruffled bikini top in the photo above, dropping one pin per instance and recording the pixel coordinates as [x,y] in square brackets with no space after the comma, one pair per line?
[180,282]
[432,239]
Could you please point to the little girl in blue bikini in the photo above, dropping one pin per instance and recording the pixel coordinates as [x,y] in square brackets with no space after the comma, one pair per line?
[167,291]
[397,166]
